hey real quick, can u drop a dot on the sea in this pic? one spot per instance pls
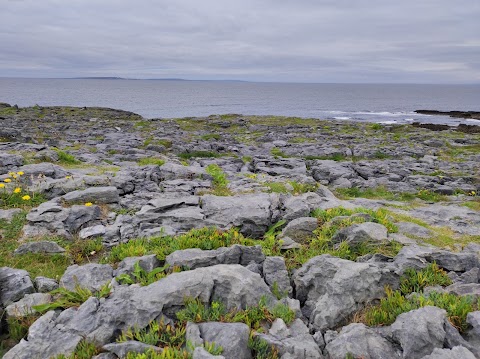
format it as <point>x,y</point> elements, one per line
<point>382,103</point>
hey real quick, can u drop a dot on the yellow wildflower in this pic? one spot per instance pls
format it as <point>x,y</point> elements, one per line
<point>17,190</point>
<point>88,204</point>
<point>11,173</point>
<point>68,177</point>
<point>7,180</point>
<point>26,197</point>
<point>20,173</point>
<point>2,185</point>
<point>14,176</point>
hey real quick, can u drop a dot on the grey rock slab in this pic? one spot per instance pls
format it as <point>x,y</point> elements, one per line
<point>275,274</point>
<point>420,331</point>
<point>300,229</point>
<point>41,170</point>
<point>232,337</point>
<point>331,289</point>
<point>80,217</point>
<point>131,346</point>
<point>91,276</point>
<point>359,233</point>
<point>454,353</point>
<point>14,284</point>
<point>361,342</point>
<point>45,285</point>
<point>414,229</point>
<point>461,289</point>
<point>147,263</point>
<point>451,261</point>
<point>250,213</point>
<point>295,341</point>
<point>25,305</point>
<point>46,247</point>
<point>8,214</point>
<point>195,258</point>
<point>92,232</point>
<point>97,195</point>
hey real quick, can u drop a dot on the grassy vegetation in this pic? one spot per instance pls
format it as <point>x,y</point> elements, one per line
<point>66,158</point>
<point>296,187</point>
<point>65,298</point>
<point>398,302</point>
<point>197,312</point>
<point>198,154</point>
<point>220,182</point>
<point>84,350</point>
<point>277,152</point>
<point>211,136</point>
<point>205,238</point>
<point>383,193</point>
<point>140,276</point>
<point>151,161</point>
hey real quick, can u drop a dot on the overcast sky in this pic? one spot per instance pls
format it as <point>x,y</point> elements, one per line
<point>413,41</point>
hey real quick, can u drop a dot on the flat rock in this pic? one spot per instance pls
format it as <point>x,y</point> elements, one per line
<point>95,195</point>
<point>46,247</point>
<point>91,276</point>
<point>25,305</point>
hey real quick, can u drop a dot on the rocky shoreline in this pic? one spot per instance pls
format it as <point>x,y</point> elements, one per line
<point>236,236</point>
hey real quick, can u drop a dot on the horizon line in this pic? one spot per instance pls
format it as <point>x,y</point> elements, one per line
<point>234,80</point>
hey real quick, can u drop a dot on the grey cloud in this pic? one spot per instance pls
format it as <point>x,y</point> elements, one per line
<point>269,40</point>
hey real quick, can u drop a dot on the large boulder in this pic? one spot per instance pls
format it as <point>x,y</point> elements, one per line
<point>361,342</point>
<point>91,276</point>
<point>232,337</point>
<point>196,258</point>
<point>294,341</point>
<point>300,229</point>
<point>250,213</point>
<point>420,331</point>
<point>14,284</point>
<point>24,306</point>
<point>278,166</point>
<point>331,289</point>
<point>276,275</point>
<point>358,233</point>
<point>454,353</point>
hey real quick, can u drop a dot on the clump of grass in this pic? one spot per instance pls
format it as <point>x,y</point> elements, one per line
<point>195,311</point>
<point>400,301</point>
<point>416,281</point>
<point>382,192</point>
<point>142,277</point>
<point>65,298</point>
<point>36,264</point>
<point>84,350</point>
<point>66,158</point>
<point>211,136</point>
<point>205,238</point>
<point>262,349</point>
<point>395,304</point>
<point>198,154</point>
<point>18,326</point>
<point>220,182</point>
<point>277,152</point>
<point>375,126</point>
<point>297,187</point>
<point>15,194</point>
<point>151,161</point>
<point>81,249</point>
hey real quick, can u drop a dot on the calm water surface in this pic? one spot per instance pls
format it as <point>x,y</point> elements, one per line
<point>172,98</point>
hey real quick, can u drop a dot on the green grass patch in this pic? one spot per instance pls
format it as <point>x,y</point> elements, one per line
<point>383,193</point>
<point>198,154</point>
<point>84,350</point>
<point>296,187</point>
<point>151,161</point>
<point>211,136</point>
<point>219,182</point>
<point>474,204</point>
<point>400,301</point>
<point>195,311</point>
<point>205,238</point>
<point>142,277</point>
<point>66,158</point>
<point>277,152</point>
